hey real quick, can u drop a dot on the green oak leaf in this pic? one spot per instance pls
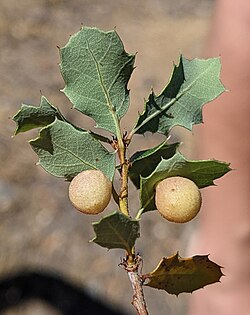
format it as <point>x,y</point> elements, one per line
<point>193,83</point>
<point>203,173</point>
<point>30,117</point>
<point>116,231</point>
<point>176,275</point>
<point>96,70</point>
<point>65,151</point>
<point>144,162</point>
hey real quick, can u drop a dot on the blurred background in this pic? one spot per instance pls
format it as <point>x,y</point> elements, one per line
<point>42,238</point>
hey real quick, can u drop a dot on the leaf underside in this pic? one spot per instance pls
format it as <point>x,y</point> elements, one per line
<point>116,231</point>
<point>176,275</point>
<point>96,70</point>
<point>65,151</point>
<point>193,83</point>
<point>30,117</point>
<point>202,173</point>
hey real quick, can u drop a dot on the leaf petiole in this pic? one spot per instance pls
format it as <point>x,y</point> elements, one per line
<point>139,213</point>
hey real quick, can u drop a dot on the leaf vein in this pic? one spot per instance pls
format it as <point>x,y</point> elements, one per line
<point>73,154</point>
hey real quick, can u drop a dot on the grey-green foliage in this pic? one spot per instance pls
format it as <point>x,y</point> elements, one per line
<point>144,162</point>
<point>65,151</point>
<point>96,70</point>
<point>116,231</point>
<point>193,83</point>
<point>30,117</point>
<point>202,173</point>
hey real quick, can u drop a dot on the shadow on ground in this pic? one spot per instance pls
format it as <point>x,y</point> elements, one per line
<point>62,295</point>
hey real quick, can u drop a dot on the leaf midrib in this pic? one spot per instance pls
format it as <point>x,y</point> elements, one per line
<point>170,103</point>
<point>119,236</point>
<point>105,91</point>
<point>73,154</point>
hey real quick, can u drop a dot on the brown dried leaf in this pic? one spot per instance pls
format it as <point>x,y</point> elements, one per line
<point>176,274</point>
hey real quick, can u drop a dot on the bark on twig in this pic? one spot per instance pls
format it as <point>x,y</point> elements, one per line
<point>136,280</point>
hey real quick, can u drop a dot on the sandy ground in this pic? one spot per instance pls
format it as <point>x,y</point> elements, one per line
<point>39,229</point>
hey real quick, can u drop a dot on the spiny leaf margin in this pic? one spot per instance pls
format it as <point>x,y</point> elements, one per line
<point>193,84</point>
<point>143,163</point>
<point>176,275</point>
<point>30,117</point>
<point>96,70</point>
<point>65,151</point>
<point>116,231</point>
<point>201,172</point>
